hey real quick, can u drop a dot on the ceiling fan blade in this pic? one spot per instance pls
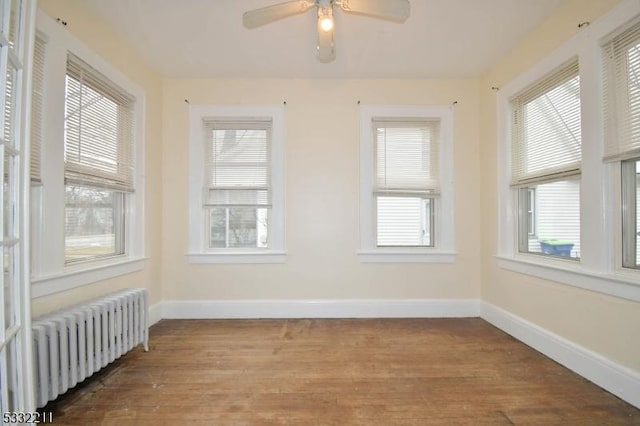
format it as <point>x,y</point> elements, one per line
<point>391,10</point>
<point>265,15</point>
<point>326,48</point>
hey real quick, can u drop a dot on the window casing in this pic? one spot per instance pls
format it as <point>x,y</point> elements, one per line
<point>236,206</point>
<point>546,156</point>
<point>406,190</point>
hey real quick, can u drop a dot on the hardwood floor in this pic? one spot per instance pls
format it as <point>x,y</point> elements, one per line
<point>337,372</point>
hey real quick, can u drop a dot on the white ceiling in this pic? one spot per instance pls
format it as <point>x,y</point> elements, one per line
<point>205,38</point>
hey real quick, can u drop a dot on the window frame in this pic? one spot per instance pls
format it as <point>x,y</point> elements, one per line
<point>531,211</point>
<point>599,268</point>
<point>442,224</point>
<point>49,272</point>
<point>198,250</point>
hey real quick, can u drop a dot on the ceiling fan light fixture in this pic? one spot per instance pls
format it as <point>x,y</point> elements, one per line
<point>326,24</point>
<point>325,18</point>
<point>391,10</point>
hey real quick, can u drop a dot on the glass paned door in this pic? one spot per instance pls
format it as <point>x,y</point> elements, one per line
<point>16,384</point>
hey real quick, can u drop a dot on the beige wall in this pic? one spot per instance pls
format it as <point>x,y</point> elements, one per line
<point>604,324</point>
<point>321,191</point>
<point>103,41</point>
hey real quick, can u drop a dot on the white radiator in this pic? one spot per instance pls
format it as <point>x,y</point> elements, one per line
<point>72,344</point>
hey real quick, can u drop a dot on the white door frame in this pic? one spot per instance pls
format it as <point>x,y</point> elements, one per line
<point>17,20</point>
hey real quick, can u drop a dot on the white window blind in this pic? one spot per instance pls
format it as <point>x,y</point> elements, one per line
<point>406,156</point>
<point>99,127</point>
<point>622,95</point>
<point>237,163</point>
<point>406,178</point>
<point>37,95</point>
<point>546,128</point>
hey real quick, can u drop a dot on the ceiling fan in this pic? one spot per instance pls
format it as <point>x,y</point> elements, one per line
<point>390,10</point>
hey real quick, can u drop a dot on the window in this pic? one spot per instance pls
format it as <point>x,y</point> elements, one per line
<point>89,181</point>
<point>237,201</point>
<point>236,191</point>
<point>621,56</point>
<point>406,181</point>
<point>98,140</point>
<point>406,211</point>
<point>546,136</point>
<point>582,205</point>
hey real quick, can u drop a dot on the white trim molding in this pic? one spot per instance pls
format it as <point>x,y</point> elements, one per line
<point>431,256</point>
<point>617,379</point>
<point>155,313</point>
<point>613,284</point>
<point>268,256</point>
<point>56,283</point>
<point>343,308</point>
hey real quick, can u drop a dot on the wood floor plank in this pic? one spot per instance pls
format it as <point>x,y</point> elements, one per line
<point>337,372</point>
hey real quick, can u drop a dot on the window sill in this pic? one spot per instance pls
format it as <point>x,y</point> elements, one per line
<point>619,284</point>
<point>80,275</point>
<point>270,256</point>
<point>405,256</point>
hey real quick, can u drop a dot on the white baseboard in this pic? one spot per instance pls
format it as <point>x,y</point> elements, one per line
<point>617,379</point>
<point>358,308</point>
<point>155,313</point>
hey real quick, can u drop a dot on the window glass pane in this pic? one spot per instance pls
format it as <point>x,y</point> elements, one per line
<point>238,227</point>
<point>404,221</point>
<point>552,210</point>
<point>94,223</point>
<point>630,213</point>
